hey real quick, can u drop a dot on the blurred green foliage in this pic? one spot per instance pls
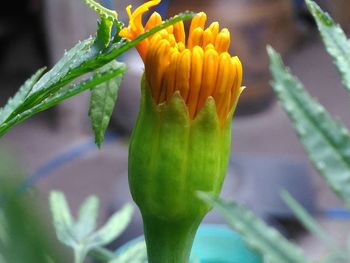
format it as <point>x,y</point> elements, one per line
<point>23,235</point>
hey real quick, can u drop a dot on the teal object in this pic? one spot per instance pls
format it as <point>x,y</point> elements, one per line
<point>216,244</point>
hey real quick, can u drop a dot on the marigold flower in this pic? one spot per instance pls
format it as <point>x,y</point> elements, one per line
<point>181,141</point>
<point>198,67</point>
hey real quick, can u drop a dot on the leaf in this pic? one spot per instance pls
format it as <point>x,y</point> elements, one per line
<point>273,247</point>
<point>22,93</point>
<point>71,59</point>
<point>102,102</point>
<point>60,96</point>
<point>326,140</point>
<point>23,237</point>
<point>306,219</point>
<point>62,219</point>
<point>113,228</point>
<point>83,58</point>
<point>67,69</point>
<point>101,10</point>
<point>81,234</point>
<point>335,40</point>
<point>136,253</point>
<point>100,254</point>
<point>88,213</point>
<point>103,35</point>
<point>3,230</point>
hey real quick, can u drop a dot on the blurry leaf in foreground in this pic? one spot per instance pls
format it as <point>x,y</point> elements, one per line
<point>81,234</point>
<point>23,237</point>
<point>326,140</point>
<point>136,253</point>
<point>272,246</point>
<point>307,220</point>
<point>335,40</point>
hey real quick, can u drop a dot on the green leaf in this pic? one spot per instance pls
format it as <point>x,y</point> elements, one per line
<point>113,228</point>
<point>103,35</point>
<point>136,253</point>
<point>306,219</point>
<point>60,96</point>
<point>335,40</point>
<point>326,140</point>
<point>337,257</point>
<point>88,213</point>
<point>3,230</point>
<point>100,254</point>
<point>102,102</point>
<point>67,69</point>
<point>20,96</point>
<point>81,234</point>
<point>62,219</point>
<point>23,235</point>
<point>273,247</point>
<point>101,10</point>
<point>83,58</point>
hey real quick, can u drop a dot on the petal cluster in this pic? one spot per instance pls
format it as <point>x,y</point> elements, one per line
<point>198,66</point>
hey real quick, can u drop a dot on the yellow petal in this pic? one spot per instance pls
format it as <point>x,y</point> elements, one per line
<point>196,79</point>
<point>153,21</point>
<point>222,41</point>
<point>183,74</point>
<point>179,32</point>
<point>196,38</point>
<point>210,71</point>
<point>170,75</point>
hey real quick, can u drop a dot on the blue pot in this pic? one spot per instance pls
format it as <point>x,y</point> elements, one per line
<point>216,244</point>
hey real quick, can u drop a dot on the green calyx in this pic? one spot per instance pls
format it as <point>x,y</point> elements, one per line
<point>171,158</point>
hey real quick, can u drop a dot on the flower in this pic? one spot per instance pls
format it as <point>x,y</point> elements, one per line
<point>198,67</point>
<point>182,137</point>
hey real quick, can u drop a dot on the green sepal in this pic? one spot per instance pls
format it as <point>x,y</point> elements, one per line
<point>171,158</point>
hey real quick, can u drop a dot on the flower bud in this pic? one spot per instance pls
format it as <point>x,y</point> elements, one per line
<point>181,141</point>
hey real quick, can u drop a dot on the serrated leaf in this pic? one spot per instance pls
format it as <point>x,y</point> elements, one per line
<point>136,253</point>
<point>62,218</point>
<point>307,220</point>
<point>71,59</point>
<point>101,10</point>
<point>60,96</point>
<point>81,59</point>
<point>326,140</point>
<point>103,35</point>
<point>102,102</point>
<point>273,247</point>
<point>335,40</point>
<point>113,228</point>
<point>87,217</point>
<point>20,96</point>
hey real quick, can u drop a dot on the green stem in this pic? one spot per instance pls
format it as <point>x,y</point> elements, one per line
<point>101,254</point>
<point>169,242</point>
<point>79,256</point>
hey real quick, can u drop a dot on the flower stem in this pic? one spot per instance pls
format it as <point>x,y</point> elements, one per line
<point>169,242</point>
<point>101,254</point>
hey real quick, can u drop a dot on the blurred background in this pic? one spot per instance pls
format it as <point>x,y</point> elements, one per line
<point>56,150</point>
